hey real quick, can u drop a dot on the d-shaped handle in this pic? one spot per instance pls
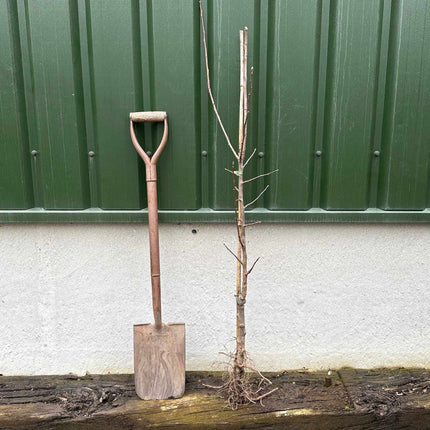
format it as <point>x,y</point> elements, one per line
<point>150,162</point>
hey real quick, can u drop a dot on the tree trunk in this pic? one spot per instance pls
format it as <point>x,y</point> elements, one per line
<point>242,274</point>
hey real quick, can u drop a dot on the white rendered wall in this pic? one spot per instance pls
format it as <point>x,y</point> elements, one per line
<point>322,295</point>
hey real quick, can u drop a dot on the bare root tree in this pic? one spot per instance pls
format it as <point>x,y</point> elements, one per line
<point>238,385</point>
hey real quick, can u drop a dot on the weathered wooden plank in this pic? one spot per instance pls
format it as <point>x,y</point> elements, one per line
<point>384,391</point>
<point>355,399</point>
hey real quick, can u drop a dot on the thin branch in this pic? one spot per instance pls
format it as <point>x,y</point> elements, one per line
<point>241,98</point>
<point>209,83</point>
<point>260,176</point>
<point>236,218</point>
<point>233,172</point>
<point>227,354</point>
<point>248,104</point>
<point>232,253</point>
<point>234,187</point>
<point>238,225</point>
<point>216,387</point>
<point>243,106</point>
<point>250,203</point>
<point>251,77</point>
<point>255,262</point>
<point>264,395</point>
<point>253,369</point>
<point>247,161</point>
<point>252,223</point>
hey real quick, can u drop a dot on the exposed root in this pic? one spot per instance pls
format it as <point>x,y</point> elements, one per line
<point>243,385</point>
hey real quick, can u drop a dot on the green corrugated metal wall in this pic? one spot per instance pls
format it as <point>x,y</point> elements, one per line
<point>343,77</point>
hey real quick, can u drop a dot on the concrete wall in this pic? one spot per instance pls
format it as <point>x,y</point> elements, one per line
<point>323,295</point>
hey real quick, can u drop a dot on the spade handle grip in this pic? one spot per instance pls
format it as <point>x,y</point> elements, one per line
<point>151,116</point>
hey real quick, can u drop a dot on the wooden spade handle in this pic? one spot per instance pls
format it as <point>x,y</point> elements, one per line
<point>151,187</point>
<point>154,250</point>
<point>152,116</point>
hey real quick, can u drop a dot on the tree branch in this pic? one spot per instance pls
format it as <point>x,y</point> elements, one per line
<point>234,186</point>
<point>209,83</point>
<point>234,172</point>
<point>232,253</point>
<point>252,223</point>
<point>246,162</point>
<point>264,395</point>
<point>260,176</point>
<point>250,203</point>
<point>248,104</point>
<point>255,262</point>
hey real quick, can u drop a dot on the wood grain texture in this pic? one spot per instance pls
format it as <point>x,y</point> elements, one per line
<point>159,361</point>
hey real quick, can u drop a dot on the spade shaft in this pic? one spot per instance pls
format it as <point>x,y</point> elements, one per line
<point>154,248</point>
<point>151,187</point>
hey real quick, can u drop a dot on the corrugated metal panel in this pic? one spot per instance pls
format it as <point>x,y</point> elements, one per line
<point>15,185</point>
<point>291,101</point>
<point>343,77</point>
<point>354,40</point>
<point>406,133</point>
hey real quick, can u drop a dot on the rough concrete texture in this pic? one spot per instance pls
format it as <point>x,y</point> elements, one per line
<point>322,295</point>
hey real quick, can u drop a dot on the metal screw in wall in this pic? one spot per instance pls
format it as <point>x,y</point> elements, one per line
<point>34,153</point>
<point>261,154</point>
<point>91,154</point>
<point>318,153</point>
<point>204,153</point>
<point>377,154</point>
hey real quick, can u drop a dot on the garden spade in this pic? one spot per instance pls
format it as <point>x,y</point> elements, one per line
<point>159,349</point>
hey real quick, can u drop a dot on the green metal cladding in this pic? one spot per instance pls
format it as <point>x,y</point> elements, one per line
<point>340,105</point>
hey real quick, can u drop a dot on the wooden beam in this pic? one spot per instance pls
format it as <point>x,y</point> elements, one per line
<point>349,398</point>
